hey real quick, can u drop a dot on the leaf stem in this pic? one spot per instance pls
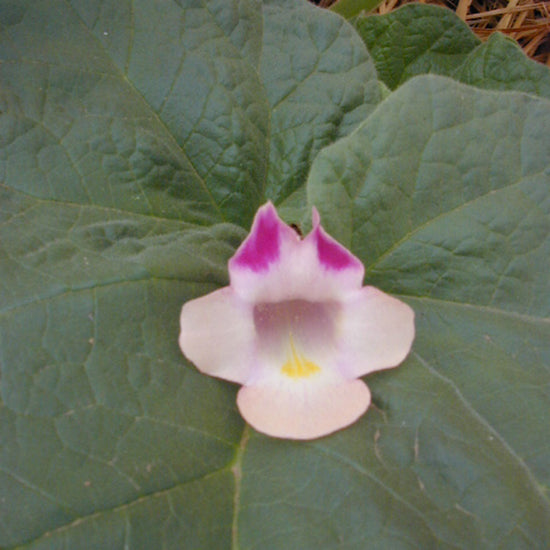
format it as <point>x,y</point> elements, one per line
<point>236,468</point>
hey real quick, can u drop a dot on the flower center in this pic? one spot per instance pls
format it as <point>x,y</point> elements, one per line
<point>298,366</point>
<point>296,337</point>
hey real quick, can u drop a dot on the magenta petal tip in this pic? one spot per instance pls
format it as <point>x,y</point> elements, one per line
<point>261,247</point>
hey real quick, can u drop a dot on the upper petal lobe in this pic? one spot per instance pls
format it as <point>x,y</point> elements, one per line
<point>274,263</point>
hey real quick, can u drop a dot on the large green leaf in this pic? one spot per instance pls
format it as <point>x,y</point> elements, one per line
<point>136,141</point>
<point>415,39</point>
<point>449,207</point>
<point>418,39</point>
<point>499,64</point>
<point>130,133</point>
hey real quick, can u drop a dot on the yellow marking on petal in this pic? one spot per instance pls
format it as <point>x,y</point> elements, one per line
<point>298,366</point>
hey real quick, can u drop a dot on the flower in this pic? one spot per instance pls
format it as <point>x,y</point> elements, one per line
<point>296,328</point>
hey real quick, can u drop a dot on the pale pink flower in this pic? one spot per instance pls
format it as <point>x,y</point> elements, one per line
<point>297,329</point>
